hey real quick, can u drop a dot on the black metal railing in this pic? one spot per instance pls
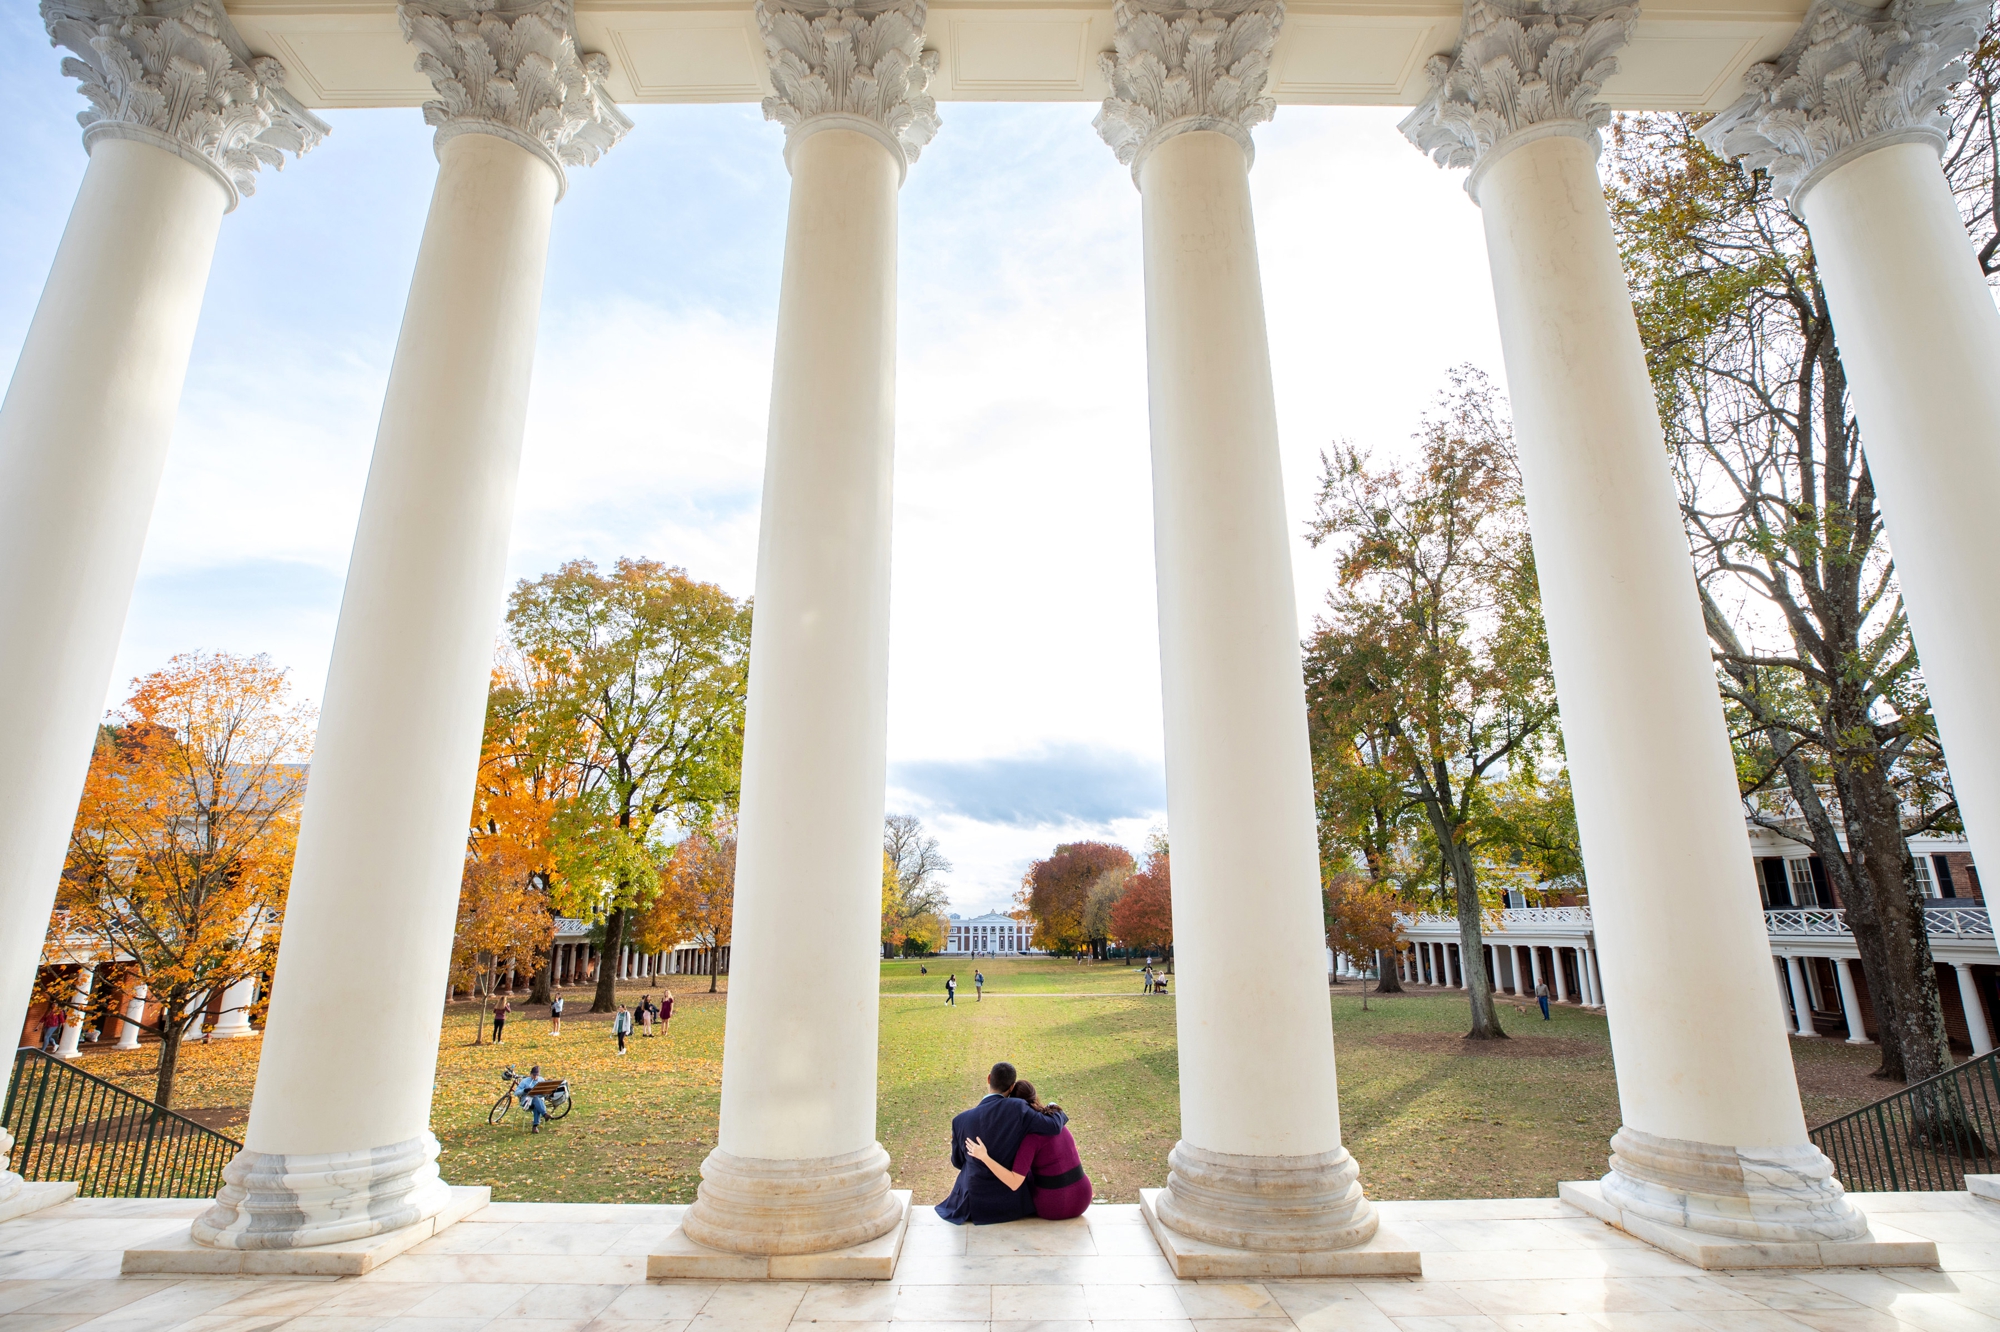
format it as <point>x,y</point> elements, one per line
<point>74,1126</point>
<point>1930,1135</point>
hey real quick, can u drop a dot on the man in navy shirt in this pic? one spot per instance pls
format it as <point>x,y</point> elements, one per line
<point>1000,1121</point>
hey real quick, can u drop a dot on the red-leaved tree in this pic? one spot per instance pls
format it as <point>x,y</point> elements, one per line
<point>1059,892</point>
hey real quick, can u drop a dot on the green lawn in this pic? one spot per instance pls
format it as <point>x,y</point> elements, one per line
<point>1427,1114</point>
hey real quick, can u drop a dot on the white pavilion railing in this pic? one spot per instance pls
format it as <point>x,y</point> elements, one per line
<point>1493,922</point>
<point>1941,922</point>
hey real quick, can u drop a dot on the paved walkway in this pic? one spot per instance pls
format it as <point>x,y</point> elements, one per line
<point>1511,1265</point>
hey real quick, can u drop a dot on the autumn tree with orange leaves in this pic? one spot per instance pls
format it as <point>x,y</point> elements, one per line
<point>640,675</point>
<point>1361,926</point>
<point>182,849</point>
<point>1143,918</point>
<point>697,898</point>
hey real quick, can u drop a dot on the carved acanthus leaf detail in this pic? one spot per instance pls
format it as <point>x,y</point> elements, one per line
<point>867,61</point>
<point>1518,66</point>
<point>174,72</point>
<point>1178,68</point>
<point>1850,75</point>
<point>514,70</point>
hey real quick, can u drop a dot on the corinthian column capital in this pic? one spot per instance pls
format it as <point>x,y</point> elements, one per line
<point>1524,69</point>
<point>1178,68</point>
<point>512,69</point>
<point>1852,79</point>
<point>174,73</point>
<point>860,67</point>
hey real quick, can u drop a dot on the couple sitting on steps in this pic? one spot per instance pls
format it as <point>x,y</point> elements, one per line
<point>1015,1158</point>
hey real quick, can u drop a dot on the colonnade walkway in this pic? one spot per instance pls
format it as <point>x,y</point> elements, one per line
<point>1521,1264</point>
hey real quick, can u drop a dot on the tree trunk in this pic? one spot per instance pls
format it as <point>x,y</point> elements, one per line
<point>714,968</point>
<point>1471,945</point>
<point>1386,979</point>
<point>173,1025</point>
<point>1887,905</point>
<point>606,998</point>
<point>538,988</point>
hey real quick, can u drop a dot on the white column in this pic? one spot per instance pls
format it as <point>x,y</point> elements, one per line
<point>234,1021</point>
<point>1976,1024</point>
<point>1795,981</point>
<point>1596,976</point>
<point>87,417</point>
<point>1673,898</point>
<point>1919,334</point>
<point>135,1011</point>
<point>1259,1164</point>
<point>80,998</point>
<point>1560,974</point>
<point>797,1168</point>
<point>330,1155</point>
<point>1535,963</point>
<point>1850,1003</point>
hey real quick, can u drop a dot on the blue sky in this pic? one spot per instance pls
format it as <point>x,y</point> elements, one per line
<point>1024,683</point>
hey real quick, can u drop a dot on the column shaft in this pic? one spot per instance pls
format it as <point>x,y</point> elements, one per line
<point>1850,1003</point>
<point>1259,1100</point>
<point>1920,340</point>
<point>83,439</point>
<point>66,1048</point>
<point>135,1012</point>
<point>1671,892</point>
<point>1976,1025</point>
<point>378,865</point>
<point>797,1168</point>
<point>1802,1023</point>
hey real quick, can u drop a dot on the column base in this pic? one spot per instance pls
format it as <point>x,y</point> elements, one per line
<point>1265,1204</point>
<point>270,1200</point>
<point>25,1197</point>
<point>767,1208</point>
<point>681,1258</point>
<point>1879,1246</point>
<point>1383,1253</point>
<point>186,1256</point>
<point>1776,1195</point>
<point>1983,1186</point>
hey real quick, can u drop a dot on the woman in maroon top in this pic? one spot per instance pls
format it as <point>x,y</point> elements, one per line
<point>1050,1166</point>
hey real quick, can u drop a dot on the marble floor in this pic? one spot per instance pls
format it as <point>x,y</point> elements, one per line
<point>1518,1264</point>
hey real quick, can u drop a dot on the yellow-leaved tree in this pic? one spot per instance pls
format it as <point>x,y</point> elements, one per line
<point>182,849</point>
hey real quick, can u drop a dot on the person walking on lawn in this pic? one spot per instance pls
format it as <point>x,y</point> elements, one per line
<point>555,1013</point>
<point>978,986</point>
<point>951,989</point>
<point>621,1026</point>
<point>500,1020</point>
<point>1542,998</point>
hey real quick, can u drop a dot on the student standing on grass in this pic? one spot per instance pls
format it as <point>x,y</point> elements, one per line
<point>621,1026</point>
<point>1542,998</point>
<point>951,989</point>
<point>555,1013</point>
<point>666,1009</point>
<point>500,1020</point>
<point>646,1015</point>
<point>978,986</point>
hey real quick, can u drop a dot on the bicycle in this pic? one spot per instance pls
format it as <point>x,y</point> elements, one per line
<point>555,1093</point>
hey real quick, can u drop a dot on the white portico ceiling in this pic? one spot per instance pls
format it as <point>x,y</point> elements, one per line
<point>1687,55</point>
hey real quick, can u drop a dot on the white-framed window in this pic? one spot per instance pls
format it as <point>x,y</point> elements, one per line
<point>1798,873</point>
<point>1926,881</point>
